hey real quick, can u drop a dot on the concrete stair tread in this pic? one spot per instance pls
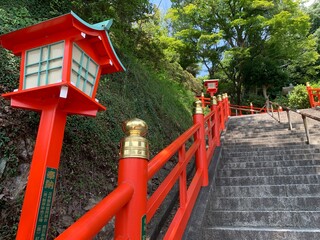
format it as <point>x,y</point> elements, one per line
<point>269,164</point>
<point>269,180</point>
<point>295,203</point>
<point>276,218</point>
<point>265,168</point>
<point>269,171</point>
<point>272,158</point>
<point>315,230</point>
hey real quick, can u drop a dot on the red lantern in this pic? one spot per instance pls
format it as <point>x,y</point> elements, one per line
<point>211,86</point>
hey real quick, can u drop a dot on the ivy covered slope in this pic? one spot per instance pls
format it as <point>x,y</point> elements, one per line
<point>154,89</point>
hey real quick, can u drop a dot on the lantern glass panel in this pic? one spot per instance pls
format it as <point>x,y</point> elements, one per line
<point>211,85</point>
<point>84,70</point>
<point>43,65</point>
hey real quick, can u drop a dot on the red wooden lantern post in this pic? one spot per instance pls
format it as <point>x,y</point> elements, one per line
<point>61,63</point>
<point>211,86</point>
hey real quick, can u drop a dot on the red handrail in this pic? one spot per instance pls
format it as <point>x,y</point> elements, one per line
<point>162,157</point>
<point>95,219</point>
<point>128,202</point>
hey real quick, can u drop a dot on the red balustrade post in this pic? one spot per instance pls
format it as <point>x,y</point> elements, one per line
<point>310,94</point>
<point>224,107</point>
<point>228,109</point>
<point>201,154</point>
<point>202,100</point>
<point>214,108</point>
<point>133,170</point>
<point>221,110</point>
<point>251,108</point>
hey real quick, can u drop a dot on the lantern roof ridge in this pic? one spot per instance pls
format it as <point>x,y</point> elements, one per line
<point>104,25</point>
<point>66,26</point>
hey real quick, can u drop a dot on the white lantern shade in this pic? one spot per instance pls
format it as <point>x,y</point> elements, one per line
<point>84,70</point>
<point>43,65</point>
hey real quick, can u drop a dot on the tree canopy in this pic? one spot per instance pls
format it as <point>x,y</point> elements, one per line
<point>255,44</point>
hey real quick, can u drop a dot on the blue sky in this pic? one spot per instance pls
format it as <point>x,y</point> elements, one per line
<point>164,5</point>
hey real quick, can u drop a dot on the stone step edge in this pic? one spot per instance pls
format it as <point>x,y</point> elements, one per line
<point>225,159</point>
<point>268,185</point>
<point>226,163</point>
<point>305,175</point>
<point>271,229</point>
<point>264,211</point>
<point>264,197</point>
<point>263,168</point>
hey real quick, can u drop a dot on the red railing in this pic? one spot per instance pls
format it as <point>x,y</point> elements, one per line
<point>314,95</point>
<point>237,110</point>
<point>204,100</point>
<point>129,202</point>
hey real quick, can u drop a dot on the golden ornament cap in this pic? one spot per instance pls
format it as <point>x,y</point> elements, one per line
<point>197,107</point>
<point>213,100</point>
<point>134,145</point>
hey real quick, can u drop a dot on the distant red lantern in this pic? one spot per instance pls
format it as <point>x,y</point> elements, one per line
<point>211,86</point>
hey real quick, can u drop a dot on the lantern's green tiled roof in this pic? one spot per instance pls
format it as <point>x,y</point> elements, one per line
<point>63,27</point>
<point>105,25</point>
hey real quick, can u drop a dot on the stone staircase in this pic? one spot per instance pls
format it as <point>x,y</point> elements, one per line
<point>267,185</point>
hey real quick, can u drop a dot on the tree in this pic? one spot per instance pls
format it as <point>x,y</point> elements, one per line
<point>244,38</point>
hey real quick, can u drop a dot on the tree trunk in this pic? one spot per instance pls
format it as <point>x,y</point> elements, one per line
<point>264,91</point>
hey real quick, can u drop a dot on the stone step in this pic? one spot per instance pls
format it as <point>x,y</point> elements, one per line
<point>301,203</point>
<point>264,144</point>
<point>270,151</point>
<point>292,190</point>
<point>279,219</point>
<point>268,164</point>
<point>255,233</point>
<point>262,158</point>
<point>258,148</point>
<point>268,180</point>
<point>273,171</point>
<point>260,141</point>
<point>272,135</point>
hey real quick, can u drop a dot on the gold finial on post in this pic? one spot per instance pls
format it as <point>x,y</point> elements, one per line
<point>197,107</point>
<point>213,100</point>
<point>134,145</point>
<point>219,98</point>
<point>307,84</point>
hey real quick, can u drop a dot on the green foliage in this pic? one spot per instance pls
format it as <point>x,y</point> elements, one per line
<point>298,98</point>
<point>256,100</point>
<point>256,43</point>
<point>282,100</point>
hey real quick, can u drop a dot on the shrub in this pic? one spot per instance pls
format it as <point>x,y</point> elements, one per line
<point>298,98</point>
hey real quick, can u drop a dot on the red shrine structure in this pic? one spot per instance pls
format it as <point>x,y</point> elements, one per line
<point>211,86</point>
